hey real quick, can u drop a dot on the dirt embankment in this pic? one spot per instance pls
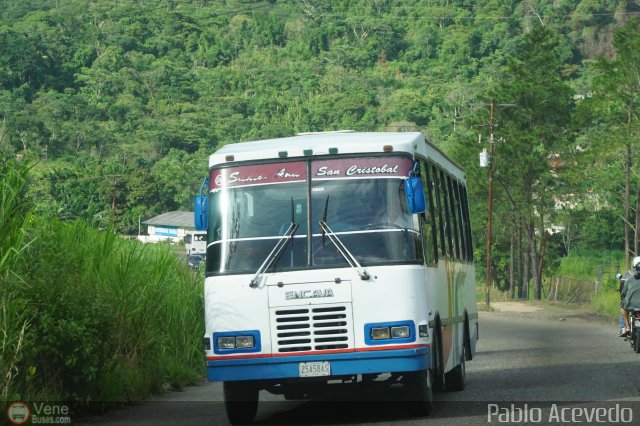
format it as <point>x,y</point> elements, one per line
<point>557,310</point>
<point>515,307</point>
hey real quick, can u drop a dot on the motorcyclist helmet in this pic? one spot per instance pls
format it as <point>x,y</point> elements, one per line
<point>636,264</point>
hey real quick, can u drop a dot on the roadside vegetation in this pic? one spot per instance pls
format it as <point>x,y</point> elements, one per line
<point>585,279</point>
<point>598,268</point>
<point>89,317</point>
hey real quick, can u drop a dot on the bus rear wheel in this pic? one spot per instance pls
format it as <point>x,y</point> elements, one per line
<point>240,402</point>
<point>418,388</point>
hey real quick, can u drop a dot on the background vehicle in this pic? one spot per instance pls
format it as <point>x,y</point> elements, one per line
<point>325,266</point>
<point>195,242</point>
<point>634,326</point>
<point>195,260</point>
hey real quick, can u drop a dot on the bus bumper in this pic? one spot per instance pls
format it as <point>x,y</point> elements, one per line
<point>341,364</point>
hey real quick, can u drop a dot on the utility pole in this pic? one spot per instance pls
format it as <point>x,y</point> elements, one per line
<point>487,289</point>
<point>489,164</point>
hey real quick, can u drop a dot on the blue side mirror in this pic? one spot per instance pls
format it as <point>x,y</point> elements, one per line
<point>416,202</point>
<point>201,207</point>
<point>201,212</point>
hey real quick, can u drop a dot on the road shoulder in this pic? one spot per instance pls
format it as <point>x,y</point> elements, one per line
<point>551,310</point>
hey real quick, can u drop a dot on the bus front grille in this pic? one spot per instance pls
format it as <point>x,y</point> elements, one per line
<point>311,328</point>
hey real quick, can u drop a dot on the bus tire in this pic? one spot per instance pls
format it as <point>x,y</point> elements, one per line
<point>467,339</point>
<point>438,367</point>
<point>455,378</point>
<point>240,402</point>
<point>418,388</point>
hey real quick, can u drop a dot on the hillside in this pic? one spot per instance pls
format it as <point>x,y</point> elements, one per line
<point>120,102</point>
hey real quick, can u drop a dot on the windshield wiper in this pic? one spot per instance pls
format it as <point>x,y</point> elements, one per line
<point>342,249</point>
<point>277,249</point>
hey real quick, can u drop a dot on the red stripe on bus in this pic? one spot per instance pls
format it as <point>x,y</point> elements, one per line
<point>335,351</point>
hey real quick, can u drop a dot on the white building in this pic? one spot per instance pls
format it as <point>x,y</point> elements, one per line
<point>171,226</point>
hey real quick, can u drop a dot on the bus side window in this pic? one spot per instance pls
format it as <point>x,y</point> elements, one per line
<point>446,213</point>
<point>429,227</point>
<point>438,213</point>
<point>455,216</point>
<point>465,218</point>
<point>462,226</point>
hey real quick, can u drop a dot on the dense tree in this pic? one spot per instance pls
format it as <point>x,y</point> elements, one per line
<point>528,132</point>
<point>121,102</point>
<point>609,114</point>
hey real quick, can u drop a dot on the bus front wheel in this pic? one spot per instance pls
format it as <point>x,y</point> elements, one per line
<point>418,388</point>
<point>455,378</point>
<point>240,402</point>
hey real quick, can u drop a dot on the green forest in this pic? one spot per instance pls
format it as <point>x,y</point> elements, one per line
<point>118,103</point>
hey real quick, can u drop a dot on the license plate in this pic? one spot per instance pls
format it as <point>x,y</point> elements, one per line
<point>314,369</point>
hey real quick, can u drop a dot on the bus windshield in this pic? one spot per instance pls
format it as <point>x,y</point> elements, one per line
<point>367,212</point>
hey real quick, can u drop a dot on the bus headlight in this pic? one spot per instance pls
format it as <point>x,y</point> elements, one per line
<point>390,333</point>
<point>244,342</point>
<point>401,332</point>
<point>228,342</point>
<point>380,333</point>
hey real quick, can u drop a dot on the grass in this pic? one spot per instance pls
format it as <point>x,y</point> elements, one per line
<point>607,303</point>
<point>112,309</point>
<point>583,265</point>
<point>88,317</point>
<point>14,320</point>
<point>495,295</point>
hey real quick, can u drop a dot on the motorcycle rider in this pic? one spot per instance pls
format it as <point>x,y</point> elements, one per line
<point>622,278</point>
<point>630,294</point>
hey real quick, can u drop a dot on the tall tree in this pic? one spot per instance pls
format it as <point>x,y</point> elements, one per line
<point>533,132</point>
<point>609,123</point>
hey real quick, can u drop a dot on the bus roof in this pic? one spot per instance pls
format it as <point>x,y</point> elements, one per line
<point>346,142</point>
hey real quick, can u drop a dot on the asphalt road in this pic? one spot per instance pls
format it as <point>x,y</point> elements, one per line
<point>545,367</point>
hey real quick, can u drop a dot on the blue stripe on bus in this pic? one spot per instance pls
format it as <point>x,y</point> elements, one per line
<point>341,364</point>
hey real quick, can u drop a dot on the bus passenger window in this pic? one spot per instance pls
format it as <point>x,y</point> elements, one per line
<point>438,211</point>
<point>446,212</point>
<point>455,216</point>
<point>429,226</point>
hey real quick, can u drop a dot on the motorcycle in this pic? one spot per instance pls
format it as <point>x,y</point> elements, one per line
<point>634,332</point>
<point>633,336</point>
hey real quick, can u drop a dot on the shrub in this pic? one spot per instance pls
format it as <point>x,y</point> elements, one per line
<point>88,317</point>
<point>14,212</point>
<point>113,319</point>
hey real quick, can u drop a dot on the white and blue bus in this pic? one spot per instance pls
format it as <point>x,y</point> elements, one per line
<point>336,257</point>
